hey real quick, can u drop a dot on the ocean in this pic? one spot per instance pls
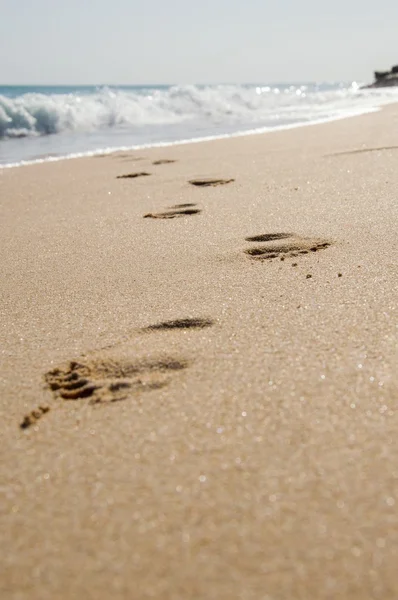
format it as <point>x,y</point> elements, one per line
<point>50,123</point>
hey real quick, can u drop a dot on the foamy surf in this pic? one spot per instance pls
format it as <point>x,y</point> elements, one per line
<point>47,124</point>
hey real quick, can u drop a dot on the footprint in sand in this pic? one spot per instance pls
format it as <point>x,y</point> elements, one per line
<point>172,214</point>
<point>187,205</point>
<point>164,161</point>
<point>269,237</point>
<point>209,182</point>
<point>105,380</point>
<point>188,323</point>
<point>133,175</point>
<point>109,380</point>
<point>291,246</point>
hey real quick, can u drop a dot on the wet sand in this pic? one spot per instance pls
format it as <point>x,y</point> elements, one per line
<point>201,403</point>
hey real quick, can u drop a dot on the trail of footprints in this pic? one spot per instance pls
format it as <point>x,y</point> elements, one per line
<point>178,210</point>
<point>99,380</point>
<point>102,380</point>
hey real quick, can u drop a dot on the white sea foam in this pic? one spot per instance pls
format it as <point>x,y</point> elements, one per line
<point>38,114</point>
<point>148,116</point>
<point>196,140</point>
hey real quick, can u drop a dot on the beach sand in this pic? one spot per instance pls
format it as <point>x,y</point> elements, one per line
<point>204,416</point>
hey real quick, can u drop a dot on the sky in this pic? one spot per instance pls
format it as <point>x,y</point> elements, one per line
<point>206,41</point>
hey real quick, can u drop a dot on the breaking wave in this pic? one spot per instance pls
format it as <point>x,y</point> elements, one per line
<point>40,114</point>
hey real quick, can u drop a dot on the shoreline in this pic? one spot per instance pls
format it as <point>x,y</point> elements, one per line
<point>237,134</point>
<point>198,380</point>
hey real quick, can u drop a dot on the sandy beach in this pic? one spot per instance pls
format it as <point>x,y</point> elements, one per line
<point>201,404</point>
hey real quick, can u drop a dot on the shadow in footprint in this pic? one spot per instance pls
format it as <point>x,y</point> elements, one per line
<point>209,182</point>
<point>268,237</point>
<point>133,175</point>
<point>188,205</point>
<point>105,381</point>
<point>180,324</point>
<point>163,161</point>
<point>173,214</point>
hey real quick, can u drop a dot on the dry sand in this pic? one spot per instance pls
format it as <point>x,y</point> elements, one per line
<point>246,450</point>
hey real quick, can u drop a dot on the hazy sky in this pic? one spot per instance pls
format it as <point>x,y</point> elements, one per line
<point>186,41</point>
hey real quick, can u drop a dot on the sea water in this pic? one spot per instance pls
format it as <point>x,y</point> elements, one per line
<point>48,123</point>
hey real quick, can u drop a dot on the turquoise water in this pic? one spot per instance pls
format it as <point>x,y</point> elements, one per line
<point>48,122</point>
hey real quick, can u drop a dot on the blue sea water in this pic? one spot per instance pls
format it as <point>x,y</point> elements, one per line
<point>51,122</point>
